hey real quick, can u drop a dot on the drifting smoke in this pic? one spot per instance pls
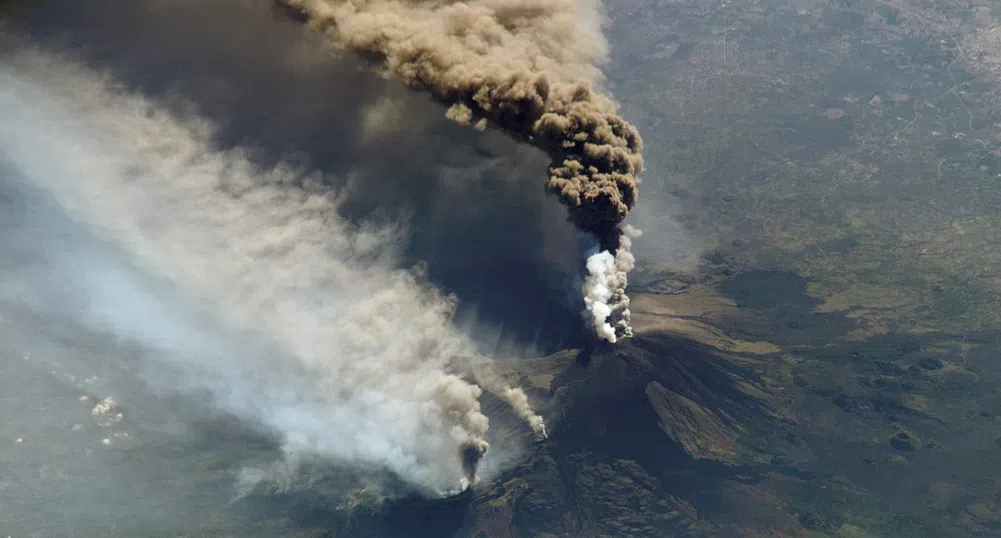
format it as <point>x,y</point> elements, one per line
<point>487,378</point>
<point>343,355</point>
<point>528,68</point>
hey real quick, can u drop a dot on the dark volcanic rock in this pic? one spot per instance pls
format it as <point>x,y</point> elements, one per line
<point>624,500</point>
<point>627,422</point>
<point>701,432</point>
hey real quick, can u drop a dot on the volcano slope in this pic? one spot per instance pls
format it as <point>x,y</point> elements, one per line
<point>660,435</point>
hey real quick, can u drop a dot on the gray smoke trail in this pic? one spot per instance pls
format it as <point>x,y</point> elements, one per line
<point>486,376</point>
<point>347,357</point>
<point>528,68</point>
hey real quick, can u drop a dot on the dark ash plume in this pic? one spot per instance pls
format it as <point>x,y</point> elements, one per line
<point>526,67</point>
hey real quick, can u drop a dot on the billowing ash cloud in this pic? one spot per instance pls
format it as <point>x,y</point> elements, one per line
<point>528,68</point>
<point>324,340</point>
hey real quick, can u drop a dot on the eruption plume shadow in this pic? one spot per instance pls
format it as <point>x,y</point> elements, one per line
<point>366,146</point>
<point>475,208</point>
<point>262,245</point>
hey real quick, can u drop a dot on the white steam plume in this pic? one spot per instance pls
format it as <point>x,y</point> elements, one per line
<point>605,296</point>
<point>347,357</point>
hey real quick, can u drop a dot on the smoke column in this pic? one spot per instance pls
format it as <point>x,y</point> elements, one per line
<point>526,67</point>
<point>330,345</point>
